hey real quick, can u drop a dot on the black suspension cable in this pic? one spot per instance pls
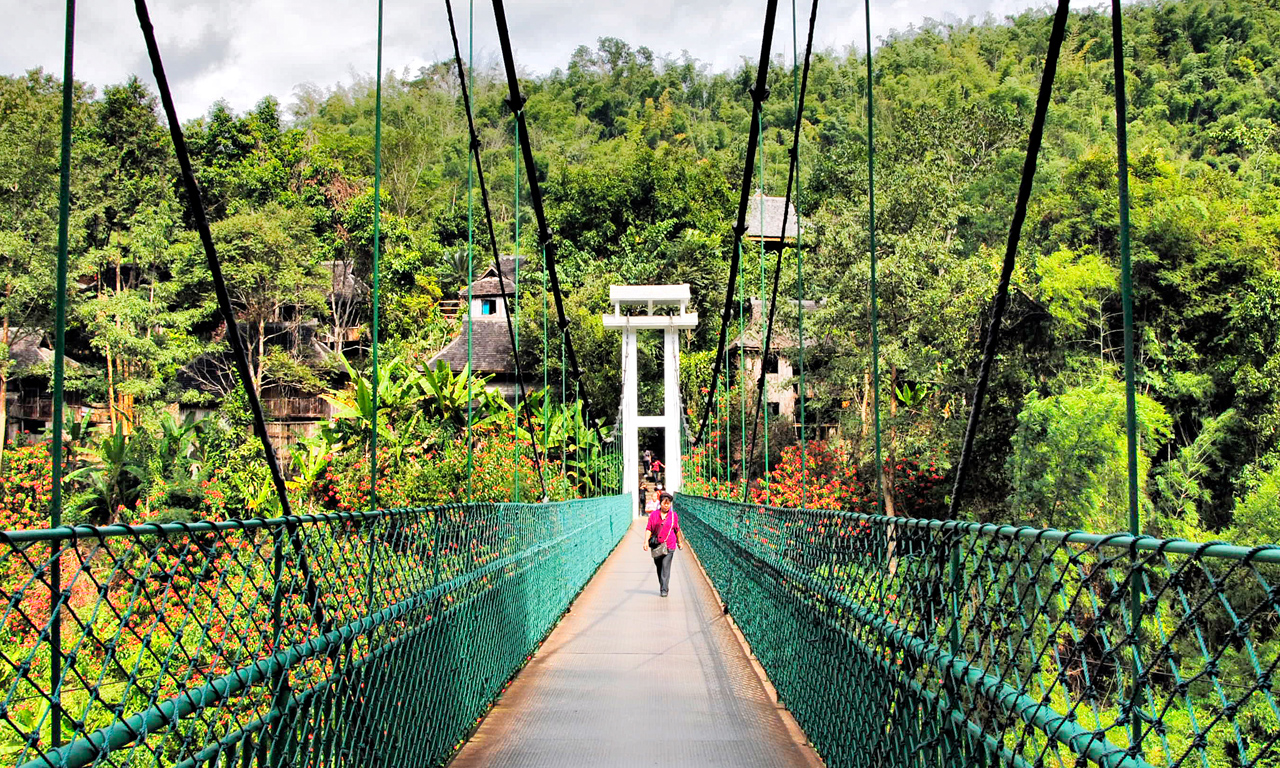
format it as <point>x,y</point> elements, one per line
<point>493,242</point>
<point>195,203</point>
<point>759,92</point>
<point>777,268</point>
<point>196,206</point>
<point>1011,248</point>
<point>516,102</point>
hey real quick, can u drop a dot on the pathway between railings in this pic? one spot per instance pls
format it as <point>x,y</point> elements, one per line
<point>632,679</point>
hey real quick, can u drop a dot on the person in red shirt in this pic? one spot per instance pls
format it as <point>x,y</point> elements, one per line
<point>657,468</point>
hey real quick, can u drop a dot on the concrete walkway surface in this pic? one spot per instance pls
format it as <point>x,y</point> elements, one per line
<point>631,679</point>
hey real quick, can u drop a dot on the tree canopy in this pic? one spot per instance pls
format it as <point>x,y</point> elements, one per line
<point>640,158</point>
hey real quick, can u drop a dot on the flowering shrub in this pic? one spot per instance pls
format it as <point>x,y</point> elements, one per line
<point>704,475</point>
<point>423,474</point>
<point>824,482</point>
<point>828,480</point>
<point>918,484</point>
<point>214,504</point>
<point>345,484</point>
<point>26,486</point>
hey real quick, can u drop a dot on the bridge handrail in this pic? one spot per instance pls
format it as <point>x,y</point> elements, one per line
<point>975,641</point>
<point>966,672</point>
<point>1263,553</point>
<point>234,653</point>
<point>76,532</point>
<point>82,751</point>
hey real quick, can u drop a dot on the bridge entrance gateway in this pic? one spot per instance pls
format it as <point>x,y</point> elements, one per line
<point>656,301</point>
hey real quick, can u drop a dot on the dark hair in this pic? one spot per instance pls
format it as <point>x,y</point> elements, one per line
<point>665,495</point>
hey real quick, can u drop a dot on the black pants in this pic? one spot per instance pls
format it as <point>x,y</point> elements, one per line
<point>663,566</point>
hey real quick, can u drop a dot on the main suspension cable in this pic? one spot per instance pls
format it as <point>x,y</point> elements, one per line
<point>792,182</point>
<point>516,102</point>
<point>493,241</point>
<point>195,203</point>
<point>1011,247</point>
<point>759,92</point>
<point>196,207</point>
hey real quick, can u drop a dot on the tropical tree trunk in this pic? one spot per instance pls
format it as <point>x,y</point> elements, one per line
<point>4,384</point>
<point>262,348</point>
<point>891,449</point>
<point>111,390</point>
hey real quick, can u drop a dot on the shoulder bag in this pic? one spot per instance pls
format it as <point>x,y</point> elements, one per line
<point>657,548</point>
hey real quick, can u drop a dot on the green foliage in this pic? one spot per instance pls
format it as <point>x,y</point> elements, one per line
<point>1069,465</point>
<point>410,403</point>
<point>1072,285</point>
<point>453,398</point>
<point>639,157</point>
<point>1257,515</point>
<point>112,481</point>
<point>30,110</point>
<point>1181,494</point>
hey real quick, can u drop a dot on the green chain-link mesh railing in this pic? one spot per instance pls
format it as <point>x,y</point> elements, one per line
<point>346,639</point>
<point>926,643</point>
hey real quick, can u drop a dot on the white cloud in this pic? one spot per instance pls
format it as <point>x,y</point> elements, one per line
<point>242,50</point>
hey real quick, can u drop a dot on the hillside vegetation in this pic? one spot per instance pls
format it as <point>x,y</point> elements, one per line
<point>640,159</point>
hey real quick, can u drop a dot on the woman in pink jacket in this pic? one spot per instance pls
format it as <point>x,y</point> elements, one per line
<point>662,539</point>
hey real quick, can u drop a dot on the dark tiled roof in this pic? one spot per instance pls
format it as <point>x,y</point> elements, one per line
<point>27,348</point>
<point>487,284</point>
<point>30,348</point>
<point>772,218</point>
<point>757,310</point>
<point>490,349</point>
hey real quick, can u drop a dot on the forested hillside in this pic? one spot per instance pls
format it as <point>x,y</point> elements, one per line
<point>640,159</point>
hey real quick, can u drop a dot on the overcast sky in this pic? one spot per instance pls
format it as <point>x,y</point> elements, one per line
<point>242,50</point>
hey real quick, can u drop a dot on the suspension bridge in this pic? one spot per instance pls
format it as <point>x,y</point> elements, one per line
<point>531,634</point>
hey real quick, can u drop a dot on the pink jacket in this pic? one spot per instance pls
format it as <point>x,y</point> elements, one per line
<point>666,531</point>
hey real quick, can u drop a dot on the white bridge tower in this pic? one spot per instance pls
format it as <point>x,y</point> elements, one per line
<point>672,303</point>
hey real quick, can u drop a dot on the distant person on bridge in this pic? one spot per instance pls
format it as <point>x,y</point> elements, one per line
<point>657,468</point>
<point>662,539</point>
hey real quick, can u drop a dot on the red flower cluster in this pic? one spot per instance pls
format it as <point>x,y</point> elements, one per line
<point>26,486</point>
<point>822,478</point>
<point>816,479</point>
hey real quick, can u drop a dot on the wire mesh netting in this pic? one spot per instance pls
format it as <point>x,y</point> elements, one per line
<point>347,639</point>
<point>926,643</point>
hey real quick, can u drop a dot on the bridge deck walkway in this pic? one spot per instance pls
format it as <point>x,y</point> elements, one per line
<point>630,679</point>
